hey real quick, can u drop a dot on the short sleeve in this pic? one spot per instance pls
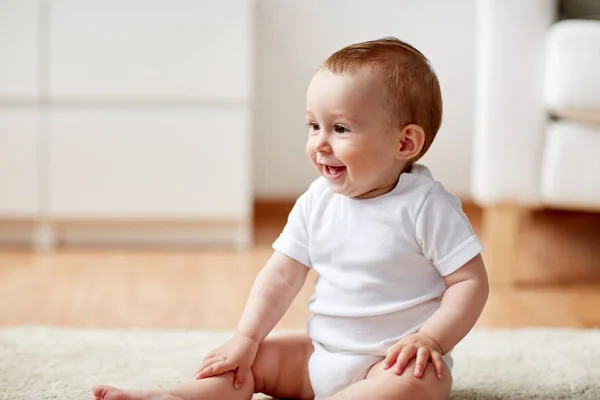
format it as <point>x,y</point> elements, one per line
<point>444,232</point>
<point>293,240</point>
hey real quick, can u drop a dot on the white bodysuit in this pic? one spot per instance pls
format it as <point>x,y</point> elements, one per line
<point>380,265</point>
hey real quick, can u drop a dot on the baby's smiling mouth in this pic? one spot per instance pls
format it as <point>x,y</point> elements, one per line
<point>333,171</point>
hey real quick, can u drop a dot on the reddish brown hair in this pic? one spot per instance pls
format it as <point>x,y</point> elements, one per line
<point>408,76</point>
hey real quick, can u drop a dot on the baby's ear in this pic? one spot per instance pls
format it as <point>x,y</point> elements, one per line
<point>412,139</point>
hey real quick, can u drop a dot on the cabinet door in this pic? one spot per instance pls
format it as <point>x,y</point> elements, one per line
<point>18,163</point>
<point>149,164</point>
<point>148,50</point>
<point>19,49</point>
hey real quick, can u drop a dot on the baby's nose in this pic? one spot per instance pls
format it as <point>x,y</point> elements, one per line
<point>321,144</point>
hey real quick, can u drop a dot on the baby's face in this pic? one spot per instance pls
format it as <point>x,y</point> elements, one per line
<point>351,142</point>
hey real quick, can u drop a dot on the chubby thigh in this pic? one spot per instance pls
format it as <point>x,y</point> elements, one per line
<point>382,384</point>
<point>285,364</point>
<point>280,369</point>
<point>344,375</point>
<point>386,384</point>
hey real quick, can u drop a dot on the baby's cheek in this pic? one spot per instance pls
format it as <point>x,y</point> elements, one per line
<point>309,150</point>
<point>367,161</point>
<point>356,153</point>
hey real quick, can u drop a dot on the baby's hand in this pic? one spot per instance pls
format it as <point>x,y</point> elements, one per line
<point>417,345</point>
<point>237,354</point>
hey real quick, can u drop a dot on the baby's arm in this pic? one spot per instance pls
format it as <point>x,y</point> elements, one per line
<point>274,289</point>
<point>446,239</point>
<point>460,308</point>
<point>461,305</point>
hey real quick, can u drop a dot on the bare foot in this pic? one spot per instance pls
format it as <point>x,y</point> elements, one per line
<point>104,392</point>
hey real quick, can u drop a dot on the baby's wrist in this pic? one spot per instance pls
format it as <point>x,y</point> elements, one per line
<point>248,337</point>
<point>434,340</point>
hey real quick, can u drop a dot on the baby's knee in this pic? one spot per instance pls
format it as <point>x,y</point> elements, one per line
<point>409,389</point>
<point>414,388</point>
<point>407,386</point>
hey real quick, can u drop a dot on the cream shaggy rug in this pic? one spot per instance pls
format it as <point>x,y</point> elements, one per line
<point>51,363</point>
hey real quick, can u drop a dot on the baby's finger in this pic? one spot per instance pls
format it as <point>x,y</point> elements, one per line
<point>214,369</point>
<point>204,372</point>
<point>240,377</point>
<point>209,360</point>
<point>407,353</point>
<point>210,355</point>
<point>391,356</point>
<point>422,358</point>
<point>438,363</point>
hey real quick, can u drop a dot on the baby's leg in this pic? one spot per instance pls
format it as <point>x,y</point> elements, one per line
<point>386,385</point>
<point>215,388</point>
<point>280,370</point>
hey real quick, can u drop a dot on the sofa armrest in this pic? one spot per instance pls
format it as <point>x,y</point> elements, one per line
<point>510,116</point>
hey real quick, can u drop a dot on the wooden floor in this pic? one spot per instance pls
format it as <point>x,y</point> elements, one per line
<point>558,264</point>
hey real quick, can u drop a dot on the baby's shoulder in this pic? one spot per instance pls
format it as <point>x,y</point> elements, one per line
<point>420,191</point>
<point>415,186</point>
<point>432,201</point>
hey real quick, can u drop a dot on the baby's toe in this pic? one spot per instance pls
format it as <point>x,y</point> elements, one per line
<point>104,392</point>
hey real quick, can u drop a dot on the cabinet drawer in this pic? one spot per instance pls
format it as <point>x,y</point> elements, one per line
<point>150,164</point>
<point>157,49</point>
<point>19,49</point>
<point>19,163</point>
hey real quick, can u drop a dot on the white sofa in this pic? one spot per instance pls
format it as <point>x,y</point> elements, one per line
<point>537,119</point>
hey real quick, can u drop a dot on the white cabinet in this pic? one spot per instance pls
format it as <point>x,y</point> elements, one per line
<point>134,113</point>
<point>18,163</point>
<point>150,164</point>
<point>170,50</point>
<point>19,84</point>
<point>19,33</point>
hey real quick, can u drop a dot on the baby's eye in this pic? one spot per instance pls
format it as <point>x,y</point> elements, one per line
<point>313,126</point>
<point>340,129</point>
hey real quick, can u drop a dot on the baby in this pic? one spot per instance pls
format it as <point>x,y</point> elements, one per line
<point>401,279</point>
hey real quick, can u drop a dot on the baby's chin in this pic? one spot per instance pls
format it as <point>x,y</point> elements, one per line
<point>347,187</point>
<point>339,189</point>
<point>347,190</point>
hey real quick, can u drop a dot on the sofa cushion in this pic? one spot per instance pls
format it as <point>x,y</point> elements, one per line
<point>571,166</point>
<point>573,70</point>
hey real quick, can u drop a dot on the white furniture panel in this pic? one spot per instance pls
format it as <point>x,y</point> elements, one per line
<point>571,166</point>
<point>19,49</point>
<point>572,70</point>
<point>510,117</point>
<point>150,163</point>
<point>18,163</point>
<point>151,49</point>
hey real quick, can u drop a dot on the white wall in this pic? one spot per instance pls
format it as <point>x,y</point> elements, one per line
<point>294,37</point>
